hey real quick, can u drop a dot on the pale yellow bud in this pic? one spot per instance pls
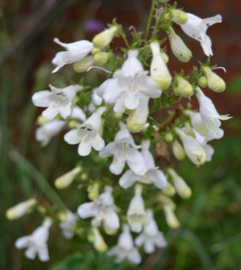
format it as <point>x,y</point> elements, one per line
<point>93,191</point>
<point>84,64</point>
<point>137,119</point>
<point>178,150</point>
<point>184,87</point>
<point>215,82</point>
<point>109,231</point>
<point>62,216</point>
<point>84,176</point>
<point>188,130</point>
<point>165,57</point>
<point>203,82</point>
<point>42,209</point>
<point>170,190</point>
<point>179,49</point>
<point>66,179</point>
<point>20,209</point>
<point>176,91</point>
<point>41,120</point>
<point>104,38</point>
<point>168,137</point>
<point>96,50</point>
<point>73,124</point>
<point>118,115</point>
<point>99,243</point>
<point>179,16</point>
<point>102,57</point>
<point>167,17</point>
<point>167,202</point>
<point>171,218</point>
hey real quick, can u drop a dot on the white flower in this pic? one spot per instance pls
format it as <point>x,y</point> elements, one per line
<point>68,224</point>
<point>66,179</point>
<point>102,208</point>
<point>210,117</point>
<point>57,100</point>
<point>152,174</point>
<point>182,189</point>
<point>193,150</point>
<point>136,214</point>
<point>124,150</point>
<point>151,236</point>
<point>87,135</point>
<point>36,243</point>
<point>128,85</point>
<point>74,52</point>
<point>20,209</point>
<point>196,28</point>
<point>159,71</point>
<point>99,242</point>
<point>125,248</point>
<point>95,100</point>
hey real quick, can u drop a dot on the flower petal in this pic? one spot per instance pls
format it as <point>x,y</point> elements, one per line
<point>87,210</point>
<point>128,179</point>
<point>98,143</point>
<point>72,136</point>
<point>112,220</point>
<point>84,148</point>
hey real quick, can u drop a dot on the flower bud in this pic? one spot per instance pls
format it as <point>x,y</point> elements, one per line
<point>20,209</point>
<point>73,124</point>
<point>179,49</point>
<point>96,50</point>
<point>62,216</point>
<point>66,179</point>
<point>82,65</point>
<point>99,243</point>
<point>178,150</point>
<point>93,191</point>
<point>215,82</point>
<point>170,190</point>
<point>137,119</point>
<point>183,190</point>
<point>184,87</point>
<point>108,230</point>
<point>104,38</point>
<point>159,71</point>
<point>168,137</point>
<point>203,81</point>
<point>41,120</point>
<point>188,130</point>
<point>171,218</point>
<point>102,57</point>
<point>179,16</point>
<point>176,90</point>
<point>165,57</point>
<point>118,115</point>
<point>84,176</point>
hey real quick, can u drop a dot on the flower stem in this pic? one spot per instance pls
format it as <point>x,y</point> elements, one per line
<point>149,20</point>
<point>123,35</point>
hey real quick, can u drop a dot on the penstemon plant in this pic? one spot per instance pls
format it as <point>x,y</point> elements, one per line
<point>114,121</point>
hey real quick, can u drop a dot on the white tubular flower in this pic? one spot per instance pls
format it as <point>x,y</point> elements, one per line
<point>196,28</point>
<point>152,175</point>
<point>74,52</point>
<point>104,38</point>
<point>197,122</point>
<point>193,150</point>
<point>151,236</point>
<point>102,208</point>
<point>67,179</point>
<point>68,224</point>
<point>129,85</point>
<point>170,190</point>
<point>36,243</point>
<point>20,209</point>
<point>57,100</point>
<point>136,214</point>
<point>214,82</point>
<point>159,71</point>
<point>210,117</point>
<point>124,150</point>
<point>179,49</point>
<point>82,65</point>
<point>87,135</point>
<point>99,242</point>
<point>182,189</point>
<point>169,207</point>
<point>125,248</point>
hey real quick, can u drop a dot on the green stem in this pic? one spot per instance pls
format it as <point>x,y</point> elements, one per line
<point>125,39</point>
<point>150,17</point>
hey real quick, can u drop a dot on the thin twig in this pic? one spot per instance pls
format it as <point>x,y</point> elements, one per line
<point>149,20</point>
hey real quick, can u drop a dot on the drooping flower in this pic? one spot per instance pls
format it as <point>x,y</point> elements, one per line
<point>136,214</point>
<point>74,52</point>
<point>210,117</point>
<point>36,243</point>
<point>125,248</point>
<point>182,189</point>
<point>88,134</point>
<point>102,208</point>
<point>152,174</point>
<point>151,236</point>
<point>20,209</point>
<point>196,28</point>
<point>68,224</point>
<point>124,150</point>
<point>129,85</point>
<point>193,150</point>
<point>66,179</point>
<point>58,100</point>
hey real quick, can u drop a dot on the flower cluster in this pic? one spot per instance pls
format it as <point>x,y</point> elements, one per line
<point>119,107</point>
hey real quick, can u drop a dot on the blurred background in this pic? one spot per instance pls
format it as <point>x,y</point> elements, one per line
<point>210,236</point>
